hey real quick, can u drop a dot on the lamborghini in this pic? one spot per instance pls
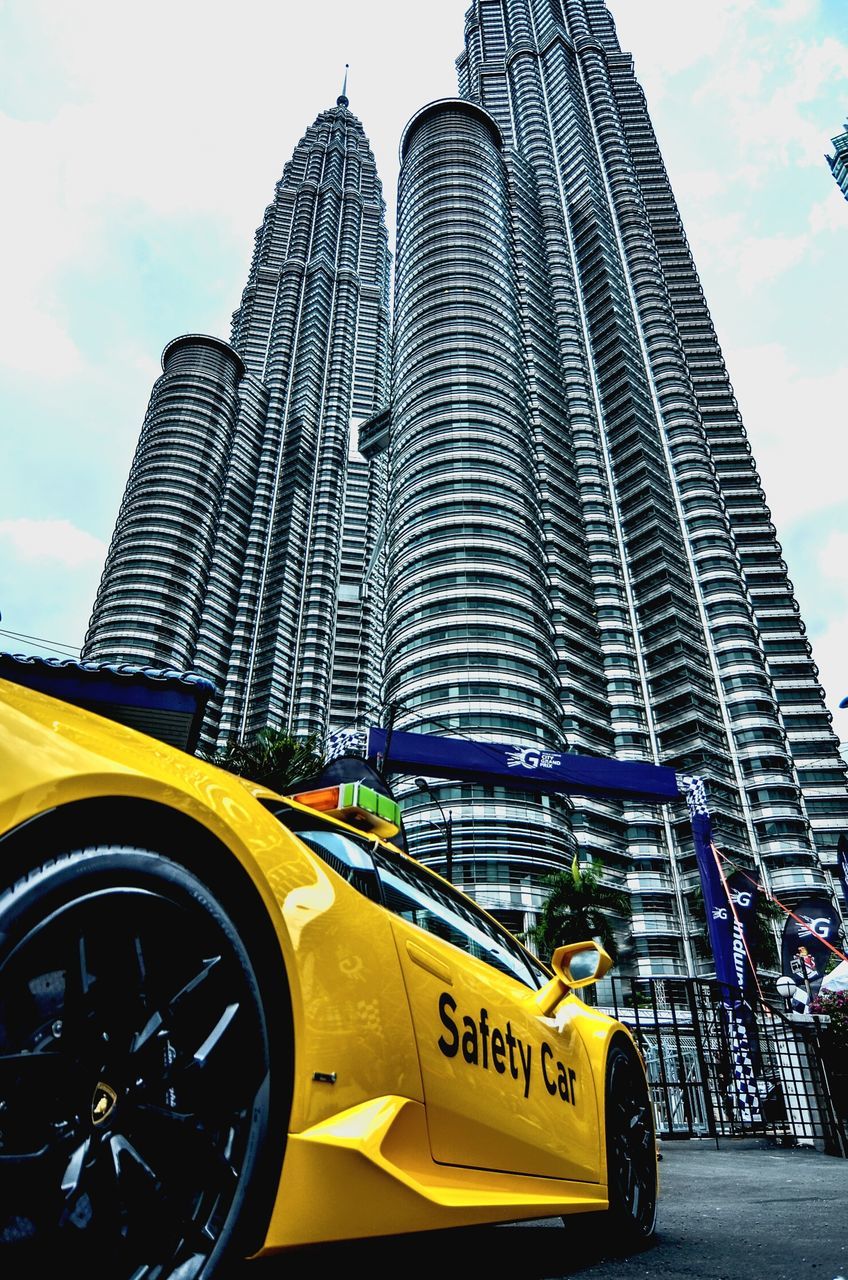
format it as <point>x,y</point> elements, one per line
<point>234,1022</point>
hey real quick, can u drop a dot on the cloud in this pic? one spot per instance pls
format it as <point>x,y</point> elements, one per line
<point>40,233</point>
<point>655,29</point>
<point>833,560</point>
<point>775,91</point>
<point>786,11</point>
<point>829,640</point>
<point>796,426</point>
<point>764,258</point>
<point>786,117</point>
<point>697,185</point>
<point>830,214</point>
<point>829,654</point>
<point>748,262</point>
<point>34,342</point>
<point>53,540</point>
<point>766,76</point>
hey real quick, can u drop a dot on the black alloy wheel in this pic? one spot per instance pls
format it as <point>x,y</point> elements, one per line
<point>631,1149</point>
<point>134,1071</point>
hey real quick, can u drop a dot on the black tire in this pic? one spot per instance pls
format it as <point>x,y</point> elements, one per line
<point>631,1149</point>
<point>134,1071</point>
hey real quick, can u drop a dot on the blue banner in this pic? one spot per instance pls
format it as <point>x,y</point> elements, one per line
<point>733,970</point>
<point>727,948</point>
<point>842,859</point>
<point>743,896</point>
<point>530,768</point>
<point>805,954</point>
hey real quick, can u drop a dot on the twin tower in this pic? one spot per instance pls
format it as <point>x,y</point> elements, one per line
<point>520,507</point>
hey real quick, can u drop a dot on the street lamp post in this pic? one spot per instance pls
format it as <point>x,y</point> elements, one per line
<point>786,987</point>
<point>447,822</point>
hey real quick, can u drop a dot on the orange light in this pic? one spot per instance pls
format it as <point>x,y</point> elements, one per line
<point>325,799</point>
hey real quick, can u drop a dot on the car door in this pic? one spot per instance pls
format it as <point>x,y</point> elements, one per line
<point>505,1088</point>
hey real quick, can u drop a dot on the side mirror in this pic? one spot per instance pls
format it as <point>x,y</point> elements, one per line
<point>580,963</point>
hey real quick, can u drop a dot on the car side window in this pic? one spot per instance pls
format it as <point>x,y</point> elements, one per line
<point>412,894</point>
<point>347,858</point>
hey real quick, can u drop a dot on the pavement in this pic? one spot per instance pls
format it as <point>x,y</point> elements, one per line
<point>742,1210</point>
<point>739,1210</point>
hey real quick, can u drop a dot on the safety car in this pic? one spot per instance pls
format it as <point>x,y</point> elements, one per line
<point>234,1022</point>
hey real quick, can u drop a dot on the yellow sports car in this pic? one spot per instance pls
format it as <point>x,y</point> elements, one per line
<point>233,1022</point>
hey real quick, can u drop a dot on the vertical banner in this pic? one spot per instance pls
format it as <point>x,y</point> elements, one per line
<point>805,954</point>
<point>731,960</point>
<point>743,895</point>
<point>842,860</point>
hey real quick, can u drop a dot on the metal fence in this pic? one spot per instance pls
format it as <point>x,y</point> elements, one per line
<point>683,1030</point>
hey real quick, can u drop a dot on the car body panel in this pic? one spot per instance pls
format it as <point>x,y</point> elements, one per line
<point>356,1025</point>
<point>72,755</point>
<point>387,1132</point>
<point>498,1090</point>
<point>376,1161</point>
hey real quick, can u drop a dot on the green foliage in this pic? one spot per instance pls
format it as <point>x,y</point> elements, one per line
<point>273,758</point>
<point>760,934</point>
<point>835,1005</point>
<point>578,907</point>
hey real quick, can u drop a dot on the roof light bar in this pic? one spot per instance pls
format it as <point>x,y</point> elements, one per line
<point>356,804</point>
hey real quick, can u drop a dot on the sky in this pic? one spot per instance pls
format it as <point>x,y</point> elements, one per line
<point>141,144</point>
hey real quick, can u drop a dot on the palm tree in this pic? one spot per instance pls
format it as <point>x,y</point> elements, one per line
<point>273,758</point>
<point>578,907</point>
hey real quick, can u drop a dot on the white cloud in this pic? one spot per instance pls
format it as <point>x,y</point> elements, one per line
<point>829,649</point>
<point>770,89</point>
<point>830,214</point>
<point>56,540</point>
<point>694,186</point>
<point>796,422</point>
<point>785,118</point>
<point>748,261</point>
<point>764,258</point>
<point>833,562</point>
<point>786,11</point>
<point>34,342</point>
<point>763,73</point>
<point>671,37</point>
<point>713,237</point>
<point>41,232</point>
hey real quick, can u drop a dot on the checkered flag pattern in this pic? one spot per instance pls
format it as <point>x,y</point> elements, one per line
<point>347,742</point>
<point>695,792</point>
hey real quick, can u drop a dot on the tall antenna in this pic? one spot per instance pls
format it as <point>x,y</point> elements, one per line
<point>342,98</point>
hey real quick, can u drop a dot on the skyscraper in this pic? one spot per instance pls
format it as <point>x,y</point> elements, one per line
<point>839,161</point>
<point>580,549</point>
<point>250,516</point>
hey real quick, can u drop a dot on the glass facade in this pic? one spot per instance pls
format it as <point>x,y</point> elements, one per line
<point>839,161</point>
<point>555,534</point>
<point>250,514</point>
<point>470,641</point>
<point>581,548</point>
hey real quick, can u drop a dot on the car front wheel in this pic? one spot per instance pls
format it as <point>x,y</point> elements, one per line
<point>134,1070</point>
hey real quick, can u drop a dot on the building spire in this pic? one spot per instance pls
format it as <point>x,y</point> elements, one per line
<point>341,100</point>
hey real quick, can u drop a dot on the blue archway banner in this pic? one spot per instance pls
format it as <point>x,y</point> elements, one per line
<point>529,768</point>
